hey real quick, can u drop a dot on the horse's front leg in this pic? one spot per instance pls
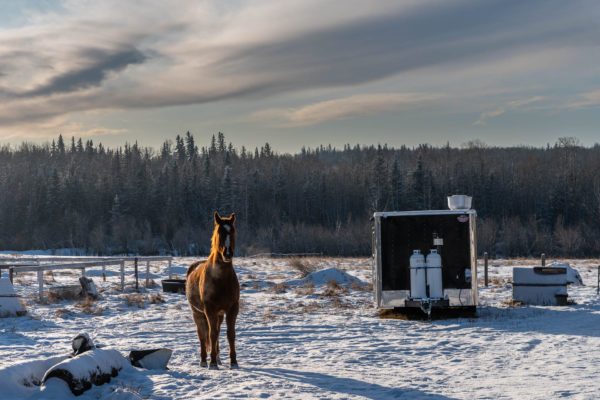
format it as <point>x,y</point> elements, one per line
<point>230,319</point>
<point>213,321</point>
<point>219,323</point>
<point>202,329</point>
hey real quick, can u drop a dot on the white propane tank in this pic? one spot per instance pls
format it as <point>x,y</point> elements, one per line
<point>417,275</point>
<point>434,274</point>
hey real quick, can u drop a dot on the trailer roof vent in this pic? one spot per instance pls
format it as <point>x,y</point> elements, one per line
<point>459,202</point>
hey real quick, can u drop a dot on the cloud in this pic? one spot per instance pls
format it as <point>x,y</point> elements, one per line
<point>344,108</point>
<point>488,114</point>
<point>585,100</point>
<point>523,102</point>
<point>125,55</point>
<point>51,127</point>
<point>101,63</point>
<point>511,105</point>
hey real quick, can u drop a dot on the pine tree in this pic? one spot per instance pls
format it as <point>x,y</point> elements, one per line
<point>61,145</point>
<point>418,185</point>
<point>396,187</point>
<point>378,181</point>
<point>213,145</point>
<point>180,148</point>
<point>226,201</point>
<point>165,150</point>
<point>221,148</point>
<point>190,146</point>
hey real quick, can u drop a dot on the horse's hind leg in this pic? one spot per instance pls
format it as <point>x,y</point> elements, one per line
<point>202,330</point>
<point>230,320</point>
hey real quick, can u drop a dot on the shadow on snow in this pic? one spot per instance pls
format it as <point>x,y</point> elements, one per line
<point>348,386</point>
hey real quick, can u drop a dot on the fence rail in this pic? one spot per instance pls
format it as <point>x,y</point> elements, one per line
<point>41,264</point>
<point>275,255</point>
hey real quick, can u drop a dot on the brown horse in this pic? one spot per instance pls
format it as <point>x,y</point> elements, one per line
<point>213,291</point>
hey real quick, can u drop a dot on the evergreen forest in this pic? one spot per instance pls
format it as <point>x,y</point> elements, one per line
<point>72,193</point>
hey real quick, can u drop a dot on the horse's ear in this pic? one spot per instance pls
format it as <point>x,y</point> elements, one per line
<point>232,217</point>
<point>218,219</point>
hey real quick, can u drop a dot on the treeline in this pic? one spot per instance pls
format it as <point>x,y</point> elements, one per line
<point>138,200</point>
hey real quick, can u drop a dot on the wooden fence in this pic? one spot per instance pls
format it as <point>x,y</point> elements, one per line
<point>41,264</point>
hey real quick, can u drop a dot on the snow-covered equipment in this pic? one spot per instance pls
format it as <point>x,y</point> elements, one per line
<point>573,276</point>
<point>94,367</point>
<point>450,271</point>
<point>459,202</point>
<point>173,285</point>
<point>82,343</point>
<point>418,285</point>
<point>10,306</point>
<point>544,286</point>
<point>150,359</point>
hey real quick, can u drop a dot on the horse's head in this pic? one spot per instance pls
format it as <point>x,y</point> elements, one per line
<point>224,236</point>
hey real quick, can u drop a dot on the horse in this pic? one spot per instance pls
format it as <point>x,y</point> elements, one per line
<point>213,291</point>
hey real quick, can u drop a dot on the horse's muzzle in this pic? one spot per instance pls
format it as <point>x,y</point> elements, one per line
<point>228,255</point>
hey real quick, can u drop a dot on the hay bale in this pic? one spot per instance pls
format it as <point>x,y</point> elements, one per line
<point>64,292</point>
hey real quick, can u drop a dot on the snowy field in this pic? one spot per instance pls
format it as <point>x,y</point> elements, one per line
<point>317,341</point>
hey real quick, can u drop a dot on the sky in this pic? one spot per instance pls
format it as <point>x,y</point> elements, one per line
<point>301,72</point>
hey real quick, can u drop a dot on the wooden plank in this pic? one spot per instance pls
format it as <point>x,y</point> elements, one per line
<point>135,263</point>
<point>485,268</point>
<point>122,275</point>
<point>40,275</point>
<point>147,273</point>
<point>49,267</point>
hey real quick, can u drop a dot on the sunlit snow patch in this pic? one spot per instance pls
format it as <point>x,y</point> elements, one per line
<point>321,277</point>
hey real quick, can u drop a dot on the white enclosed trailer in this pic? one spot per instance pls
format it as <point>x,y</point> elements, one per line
<point>396,236</point>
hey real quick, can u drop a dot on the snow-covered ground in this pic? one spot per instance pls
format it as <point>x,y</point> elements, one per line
<point>306,339</point>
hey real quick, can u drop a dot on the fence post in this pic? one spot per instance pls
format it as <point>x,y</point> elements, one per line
<point>485,268</point>
<point>11,271</point>
<point>170,269</point>
<point>543,259</point>
<point>103,272</point>
<point>147,273</point>
<point>122,275</point>
<point>40,274</point>
<point>135,263</point>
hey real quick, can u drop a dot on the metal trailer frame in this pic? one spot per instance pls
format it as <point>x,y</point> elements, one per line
<point>399,299</point>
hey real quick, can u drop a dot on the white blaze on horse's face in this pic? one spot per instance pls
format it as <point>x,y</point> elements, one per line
<point>227,243</point>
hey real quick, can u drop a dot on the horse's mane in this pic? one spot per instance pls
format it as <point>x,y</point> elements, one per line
<point>214,242</point>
